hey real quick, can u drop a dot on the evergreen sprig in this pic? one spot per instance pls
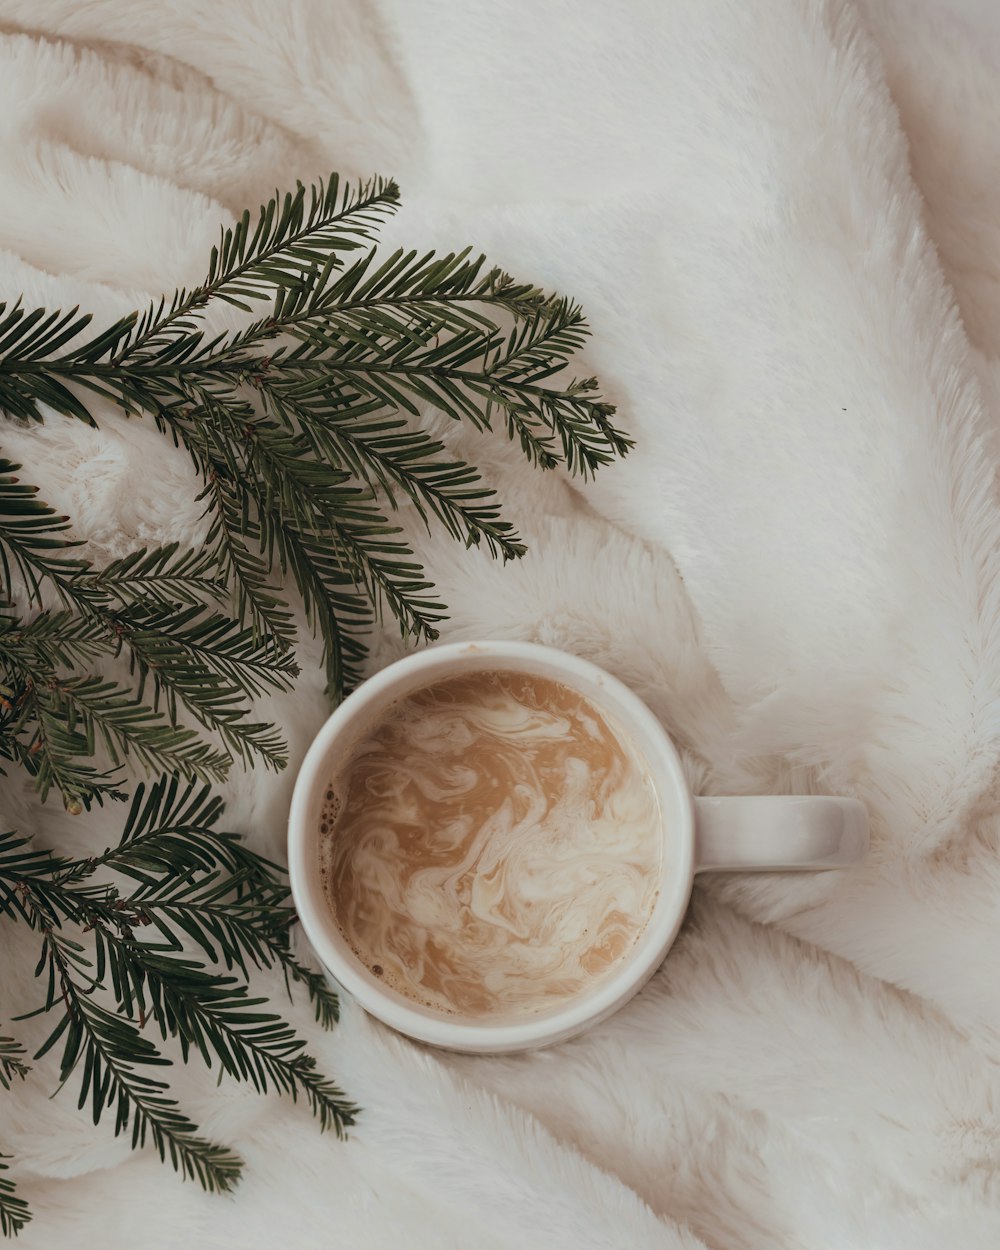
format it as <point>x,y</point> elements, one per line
<point>155,606</point>
<point>299,421</point>
<point>118,961</point>
<point>14,1211</point>
<point>302,424</point>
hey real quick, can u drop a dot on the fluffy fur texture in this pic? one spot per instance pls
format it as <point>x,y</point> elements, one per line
<point>797,568</point>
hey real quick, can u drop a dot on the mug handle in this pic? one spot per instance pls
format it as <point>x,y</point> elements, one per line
<point>779,833</point>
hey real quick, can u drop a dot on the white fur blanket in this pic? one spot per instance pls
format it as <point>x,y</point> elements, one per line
<point>798,315</point>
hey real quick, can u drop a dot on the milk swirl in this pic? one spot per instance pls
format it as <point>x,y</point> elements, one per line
<point>492,846</point>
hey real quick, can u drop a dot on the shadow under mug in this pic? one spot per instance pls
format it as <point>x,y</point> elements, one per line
<point>777,833</point>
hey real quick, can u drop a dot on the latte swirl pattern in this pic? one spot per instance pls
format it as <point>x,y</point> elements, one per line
<point>492,846</point>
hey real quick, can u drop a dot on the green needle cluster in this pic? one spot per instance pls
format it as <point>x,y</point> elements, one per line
<point>303,426</point>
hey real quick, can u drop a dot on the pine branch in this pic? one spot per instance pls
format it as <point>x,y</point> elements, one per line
<point>463,370</point>
<point>379,449</point>
<point>445,290</point>
<point>330,602</point>
<point>12,1061</point>
<point>171,830</point>
<point>325,1003</point>
<point>58,756</point>
<point>22,864</point>
<point>343,351</point>
<point>293,534</point>
<point>236,933</point>
<point>317,501</point>
<point>26,337</point>
<point>30,534</point>
<point>258,602</point>
<point>66,718</point>
<point>109,1049</point>
<point>452,287</point>
<point>193,656</point>
<point>170,575</point>
<point>219,645</point>
<point>169,836</point>
<point>209,664</point>
<point>52,640</point>
<point>14,1211</point>
<point>303,426</point>
<point>195,885</point>
<point>127,729</point>
<point>292,236</point>
<point>210,1015</point>
<point>198,883</point>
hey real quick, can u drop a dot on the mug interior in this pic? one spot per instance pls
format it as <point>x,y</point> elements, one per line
<point>626,713</point>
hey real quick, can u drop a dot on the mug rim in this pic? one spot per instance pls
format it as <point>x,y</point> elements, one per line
<point>666,774</point>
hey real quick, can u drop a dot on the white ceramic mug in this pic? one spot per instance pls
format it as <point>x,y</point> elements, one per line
<point>699,835</point>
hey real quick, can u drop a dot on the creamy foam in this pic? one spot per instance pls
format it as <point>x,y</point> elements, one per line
<point>492,845</point>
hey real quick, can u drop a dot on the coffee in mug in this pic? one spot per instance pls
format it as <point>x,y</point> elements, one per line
<point>491,845</point>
